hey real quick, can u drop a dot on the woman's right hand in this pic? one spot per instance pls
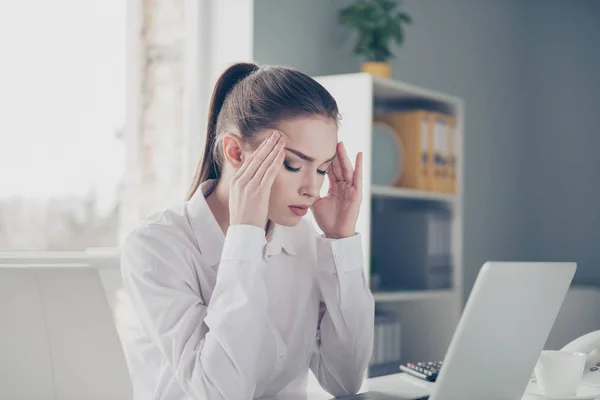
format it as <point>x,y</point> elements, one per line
<point>250,187</point>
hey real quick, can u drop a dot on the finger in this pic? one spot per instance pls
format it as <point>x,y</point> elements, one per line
<point>331,175</point>
<point>347,170</point>
<point>273,169</point>
<point>357,178</point>
<point>260,156</point>
<point>269,160</point>
<point>337,168</point>
<point>244,166</point>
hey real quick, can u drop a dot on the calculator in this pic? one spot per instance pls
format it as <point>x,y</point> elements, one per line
<point>424,370</point>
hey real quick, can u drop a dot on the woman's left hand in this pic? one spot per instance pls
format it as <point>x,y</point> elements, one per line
<point>336,213</point>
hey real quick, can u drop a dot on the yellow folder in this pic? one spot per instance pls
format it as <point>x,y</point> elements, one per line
<point>452,156</point>
<point>416,131</point>
<point>440,152</point>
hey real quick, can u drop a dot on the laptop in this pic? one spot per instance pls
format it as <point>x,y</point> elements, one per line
<point>501,333</point>
<point>57,336</point>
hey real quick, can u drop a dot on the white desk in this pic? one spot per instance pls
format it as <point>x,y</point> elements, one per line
<point>398,384</point>
<point>401,385</point>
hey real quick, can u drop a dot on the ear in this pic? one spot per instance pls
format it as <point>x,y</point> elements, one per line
<point>233,150</point>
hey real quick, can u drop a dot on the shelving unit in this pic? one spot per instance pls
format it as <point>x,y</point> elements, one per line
<point>397,192</point>
<point>428,317</point>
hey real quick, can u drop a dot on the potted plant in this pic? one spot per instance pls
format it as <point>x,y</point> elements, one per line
<point>377,23</point>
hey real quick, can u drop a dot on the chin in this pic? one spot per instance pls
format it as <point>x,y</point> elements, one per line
<point>291,220</point>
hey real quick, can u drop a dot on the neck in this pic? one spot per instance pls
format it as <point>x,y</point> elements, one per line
<point>218,202</point>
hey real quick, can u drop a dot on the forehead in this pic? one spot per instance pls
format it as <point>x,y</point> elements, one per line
<point>314,136</point>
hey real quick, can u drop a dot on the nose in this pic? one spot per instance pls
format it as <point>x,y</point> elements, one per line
<point>310,186</point>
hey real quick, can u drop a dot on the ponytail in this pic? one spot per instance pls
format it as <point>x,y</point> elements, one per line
<point>209,166</point>
<point>251,100</point>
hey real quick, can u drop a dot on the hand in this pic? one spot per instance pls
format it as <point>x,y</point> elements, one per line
<point>336,213</point>
<point>250,188</point>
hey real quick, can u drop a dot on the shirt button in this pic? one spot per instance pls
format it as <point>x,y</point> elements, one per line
<point>337,256</point>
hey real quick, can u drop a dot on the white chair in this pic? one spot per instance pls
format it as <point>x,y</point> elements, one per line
<point>58,338</point>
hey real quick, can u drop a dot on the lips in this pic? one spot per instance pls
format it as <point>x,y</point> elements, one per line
<point>299,210</point>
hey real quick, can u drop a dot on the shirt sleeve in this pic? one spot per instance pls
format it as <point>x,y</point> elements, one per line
<point>211,348</point>
<point>345,335</point>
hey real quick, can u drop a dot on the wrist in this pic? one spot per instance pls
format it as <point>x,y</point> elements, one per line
<point>339,235</point>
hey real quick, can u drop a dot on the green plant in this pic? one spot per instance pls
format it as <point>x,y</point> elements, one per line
<point>377,22</point>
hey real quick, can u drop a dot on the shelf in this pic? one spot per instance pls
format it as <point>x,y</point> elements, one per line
<point>390,89</point>
<point>413,295</point>
<point>359,96</point>
<point>397,192</point>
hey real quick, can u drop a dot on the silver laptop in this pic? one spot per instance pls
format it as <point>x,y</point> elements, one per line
<point>57,336</point>
<point>502,330</point>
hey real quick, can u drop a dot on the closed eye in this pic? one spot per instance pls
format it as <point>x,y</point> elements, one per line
<point>292,169</point>
<point>289,167</point>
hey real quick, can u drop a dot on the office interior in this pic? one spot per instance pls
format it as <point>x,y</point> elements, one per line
<point>519,80</point>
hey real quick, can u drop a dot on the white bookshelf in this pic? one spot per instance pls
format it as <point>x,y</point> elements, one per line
<point>428,317</point>
<point>397,192</point>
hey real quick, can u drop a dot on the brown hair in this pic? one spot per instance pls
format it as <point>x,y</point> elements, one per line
<point>249,98</point>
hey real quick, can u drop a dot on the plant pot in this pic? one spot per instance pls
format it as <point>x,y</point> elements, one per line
<point>379,69</point>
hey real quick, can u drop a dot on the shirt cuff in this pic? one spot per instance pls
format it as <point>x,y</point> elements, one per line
<point>244,242</point>
<point>340,255</point>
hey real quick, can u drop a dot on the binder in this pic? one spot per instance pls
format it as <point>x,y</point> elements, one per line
<point>439,177</point>
<point>427,161</point>
<point>416,132</point>
<point>387,346</point>
<point>452,147</point>
<point>413,247</point>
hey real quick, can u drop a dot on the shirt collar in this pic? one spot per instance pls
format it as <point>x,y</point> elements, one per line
<point>210,237</point>
<point>208,233</point>
<point>281,237</point>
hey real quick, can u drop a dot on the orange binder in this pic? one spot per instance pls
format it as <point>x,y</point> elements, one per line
<point>452,147</point>
<point>439,176</point>
<point>416,133</point>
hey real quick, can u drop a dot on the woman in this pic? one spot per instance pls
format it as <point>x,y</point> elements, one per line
<point>237,296</point>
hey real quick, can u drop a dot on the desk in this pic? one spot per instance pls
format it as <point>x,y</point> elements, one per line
<point>399,384</point>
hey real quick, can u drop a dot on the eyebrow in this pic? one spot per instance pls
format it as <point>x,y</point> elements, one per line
<point>307,158</point>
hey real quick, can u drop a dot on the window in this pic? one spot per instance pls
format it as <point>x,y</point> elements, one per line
<point>63,102</point>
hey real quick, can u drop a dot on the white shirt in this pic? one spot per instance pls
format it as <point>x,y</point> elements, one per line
<point>238,317</point>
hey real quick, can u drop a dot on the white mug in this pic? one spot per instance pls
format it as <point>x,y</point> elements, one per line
<point>558,373</point>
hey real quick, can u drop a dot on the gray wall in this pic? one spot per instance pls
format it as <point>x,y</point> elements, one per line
<point>559,159</point>
<point>498,56</point>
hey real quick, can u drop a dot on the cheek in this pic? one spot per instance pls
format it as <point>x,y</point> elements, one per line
<point>321,180</point>
<point>284,183</point>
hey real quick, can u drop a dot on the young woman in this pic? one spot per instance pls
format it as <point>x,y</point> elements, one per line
<point>236,295</point>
